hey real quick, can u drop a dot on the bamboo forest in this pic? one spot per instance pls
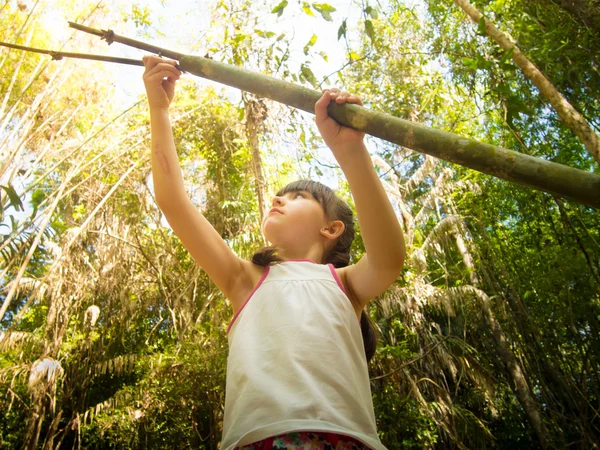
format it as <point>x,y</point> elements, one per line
<point>111,336</point>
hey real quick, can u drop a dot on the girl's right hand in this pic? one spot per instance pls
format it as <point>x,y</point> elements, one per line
<point>159,78</point>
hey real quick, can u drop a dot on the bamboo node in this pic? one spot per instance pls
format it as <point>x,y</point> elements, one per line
<point>55,56</point>
<point>108,36</point>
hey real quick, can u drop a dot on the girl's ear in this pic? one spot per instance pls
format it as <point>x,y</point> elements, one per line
<point>334,230</point>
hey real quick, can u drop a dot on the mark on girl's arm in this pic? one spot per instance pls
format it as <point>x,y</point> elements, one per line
<point>162,159</point>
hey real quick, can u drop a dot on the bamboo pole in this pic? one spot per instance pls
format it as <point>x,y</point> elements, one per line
<point>557,179</point>
<point>537,173</point>
<point>57,55</point>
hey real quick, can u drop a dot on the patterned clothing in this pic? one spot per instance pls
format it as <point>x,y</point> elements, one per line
<point>307,440</point>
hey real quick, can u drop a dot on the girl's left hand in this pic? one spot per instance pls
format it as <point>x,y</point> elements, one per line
<point>336,136</point>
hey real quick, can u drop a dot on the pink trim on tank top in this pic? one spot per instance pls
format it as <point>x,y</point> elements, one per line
<point>334,273</point>
<point>264,275</point>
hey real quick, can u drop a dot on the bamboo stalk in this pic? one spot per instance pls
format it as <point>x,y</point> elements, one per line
<point>537,173</point>
<point>557,179</point>
<point>60,55</point>
<point>109,36</point>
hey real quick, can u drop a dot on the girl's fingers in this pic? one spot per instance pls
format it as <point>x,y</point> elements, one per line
<point>355,99</point>
<point>160,75</point>
<point>159,72</point>
<point>343,97</point>
<point>151,62</point>
<point>155,59</point>
<point>150,70</point>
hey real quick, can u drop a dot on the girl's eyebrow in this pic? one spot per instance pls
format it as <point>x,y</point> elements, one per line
<point>297,192</point>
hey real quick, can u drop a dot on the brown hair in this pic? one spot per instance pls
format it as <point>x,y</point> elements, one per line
<point>335,209</point>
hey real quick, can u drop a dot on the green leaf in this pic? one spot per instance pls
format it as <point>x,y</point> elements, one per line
<point>324,9</point>
<point>14,225</point>
<point>470,63</point>
<point>481,27</point>
<point>279,8</point>
<point>483,63</point>
<point>370,30</point>
<point>308,75</point>
<point>306,9</point>
<point>371,12</point>
<point>353,56</point>
<point>507,55</point>
<point>310,43</point>
<point>264,34</point>
<point>342,30</point>
<point>239,38</point>
<point>514,108</point>
<point>15,201</point>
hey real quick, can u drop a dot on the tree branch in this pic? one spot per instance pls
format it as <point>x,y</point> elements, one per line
<point>60,55</point>
<point>537,173</point>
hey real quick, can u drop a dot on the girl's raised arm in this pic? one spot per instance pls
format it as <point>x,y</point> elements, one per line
<point>196,233</point>
<point>381,231</point>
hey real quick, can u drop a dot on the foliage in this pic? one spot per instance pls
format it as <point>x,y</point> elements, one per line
<point>137,332</point>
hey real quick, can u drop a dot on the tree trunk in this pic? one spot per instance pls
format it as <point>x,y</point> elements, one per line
<point>581,186</point>
<point>34,423</point>
<point>255,116</point>
<point>560,390</point>
<point>575,121</point>
<point>524,394</point>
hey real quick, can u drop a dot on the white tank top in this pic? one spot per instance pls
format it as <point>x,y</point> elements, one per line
<point>297,360</point>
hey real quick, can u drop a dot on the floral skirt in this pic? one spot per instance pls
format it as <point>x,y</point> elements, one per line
<point>307,440</point>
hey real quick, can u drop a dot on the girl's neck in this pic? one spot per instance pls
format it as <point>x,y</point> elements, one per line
<point>313,255</point>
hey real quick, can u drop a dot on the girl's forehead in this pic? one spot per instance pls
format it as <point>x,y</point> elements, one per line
<point>296,191</point>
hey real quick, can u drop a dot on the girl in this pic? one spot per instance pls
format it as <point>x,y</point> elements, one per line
<point>297,375</point>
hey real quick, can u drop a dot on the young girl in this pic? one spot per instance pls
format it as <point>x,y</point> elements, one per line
<point>297,375</point>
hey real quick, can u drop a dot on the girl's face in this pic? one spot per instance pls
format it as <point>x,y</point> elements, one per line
<point>299,223</point>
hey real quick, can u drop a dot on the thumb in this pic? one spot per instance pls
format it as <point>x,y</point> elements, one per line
<point>321,113</point>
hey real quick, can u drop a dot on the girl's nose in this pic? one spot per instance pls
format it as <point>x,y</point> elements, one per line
<point>277,201</point>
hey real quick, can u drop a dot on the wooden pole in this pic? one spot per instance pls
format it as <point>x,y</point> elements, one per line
<point>537,173</point>
<point>57,55</point>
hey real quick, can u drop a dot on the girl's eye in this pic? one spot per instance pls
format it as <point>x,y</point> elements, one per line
<point>298,194</point>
